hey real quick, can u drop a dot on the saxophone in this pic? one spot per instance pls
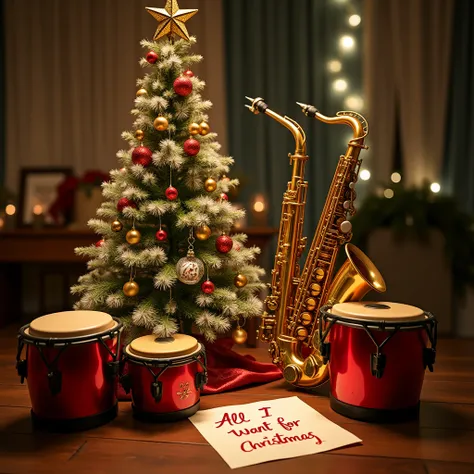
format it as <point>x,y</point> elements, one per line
<point>290,322</point>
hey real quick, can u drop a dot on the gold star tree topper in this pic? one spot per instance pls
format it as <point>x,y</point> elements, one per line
<point>171,19</point>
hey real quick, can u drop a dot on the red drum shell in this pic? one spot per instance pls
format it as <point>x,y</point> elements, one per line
<point>86,388</point>
<point>351,379</point>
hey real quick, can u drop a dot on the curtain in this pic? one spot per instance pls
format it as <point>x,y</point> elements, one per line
<point>279,50</point>
<point>71,70</point>
<point>2,94</point>
<point>459,156</point>
<point>407,69</point>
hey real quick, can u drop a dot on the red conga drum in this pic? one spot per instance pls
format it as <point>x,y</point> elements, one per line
<point>71,366</point>
<point>377,354</point>
<point>165,376</point>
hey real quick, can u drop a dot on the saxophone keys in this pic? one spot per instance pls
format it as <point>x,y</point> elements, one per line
<point>345,227</point>
<point>310,303</point>
<point>347,205</point>
<point>306,318</point>
<point>318,274</point>
<point>315,289</point>
<point>301,333</point>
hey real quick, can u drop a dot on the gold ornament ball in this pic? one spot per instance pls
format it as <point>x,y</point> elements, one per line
<point>131,288</point>
<point>239,335</point>
<point>203,232</point>
<point>205,129</point>
<point>116,226</point>
<point>240,280</point>
<point>194,129</point>
<point>141,92</point>
<point>210,185</point>
<point>139,135</point>
<point>133,236</point>
<point>160,124</point>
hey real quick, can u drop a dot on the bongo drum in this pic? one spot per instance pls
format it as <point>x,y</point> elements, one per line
<point>165,376</point>
<point>377,354</point>
<point>71,366</point>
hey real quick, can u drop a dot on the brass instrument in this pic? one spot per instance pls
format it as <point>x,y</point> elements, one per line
<point>290,322</point>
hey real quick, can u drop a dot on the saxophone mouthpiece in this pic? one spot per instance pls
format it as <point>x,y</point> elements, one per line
<point>308,110</point>
<point>258,105</point>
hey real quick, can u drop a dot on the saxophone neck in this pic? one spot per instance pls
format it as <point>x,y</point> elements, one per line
<point>258,105</point>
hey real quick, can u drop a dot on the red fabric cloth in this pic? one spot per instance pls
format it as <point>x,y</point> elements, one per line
<point>227,370</point>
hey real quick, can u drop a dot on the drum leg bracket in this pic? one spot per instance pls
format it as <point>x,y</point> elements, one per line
<point>429,357</point>
<point>21,369</point>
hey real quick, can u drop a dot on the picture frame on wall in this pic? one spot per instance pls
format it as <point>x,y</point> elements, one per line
<point>38,190</point>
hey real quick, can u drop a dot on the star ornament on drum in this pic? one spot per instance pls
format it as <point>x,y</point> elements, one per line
<point>71,356</point>
<point>379,376</point>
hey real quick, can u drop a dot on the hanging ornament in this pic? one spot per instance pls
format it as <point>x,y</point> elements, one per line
<point>190,269</point>
<point>224,197</point>
<point>239,335</point>
<point>131,288</point>
<point>161,235</point>
<point>191,147</point>
<point>183,86</point>
<point>171,193</point>
<point>142,156</point>
<point>224,243</point>
<point>240,280</point>
<point>207,287</point>
<point>225,179</point>
<point>236,246</point>
<point>125,202</point>
<point>194,129</point>
<point>160,124</point>
<point>139,134</point>
<point>141,92</point>
<point>133,236</point>
<point>152,57</point>
<point>210,185</point>
<point>203,232</point>
<point>205,129</point>
<point>100,242</point>
<point>188,73</point>
<point>116,225</point>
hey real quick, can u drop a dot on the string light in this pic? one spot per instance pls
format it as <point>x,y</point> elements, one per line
<point>347,43</point>
<point>354,20</point>
<point>334,65</point>
<point>396,177</point>
<point>339,85</point>
<point>388,193</point>
<point>365,175</point>
<point>259,204</point>
<point>38,210</point>
<point>435,187</point>
<point>354,102</point>
<point>10,210</point>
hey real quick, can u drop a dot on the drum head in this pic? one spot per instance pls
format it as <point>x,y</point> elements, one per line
<point>378,311</point>
<point>70,324</point>
<point>153,347</point>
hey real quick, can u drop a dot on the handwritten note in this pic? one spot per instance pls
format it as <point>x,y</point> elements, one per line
<point>265,431</point>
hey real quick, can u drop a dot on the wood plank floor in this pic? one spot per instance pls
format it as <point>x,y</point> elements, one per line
<point>440,442</point>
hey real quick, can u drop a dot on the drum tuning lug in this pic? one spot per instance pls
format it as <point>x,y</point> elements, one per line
<point>55,381</point>
<point>200,380</point>
<point>429,356</point>
<point>126,382</point>
<point>112,369</point>
<point>378,364</point>
<point>325,351</point>
<point>21,369</point>
<point>157,390</point>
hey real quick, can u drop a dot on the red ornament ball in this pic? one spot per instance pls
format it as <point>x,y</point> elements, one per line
<point>152,57</point>
<point>224,197</point>
<point>207,287</point>
<point>161,235</point>
<point>123,203</point>
<point>188,73</point>
<point>142,156</point>
<point>171,193</point>
<point>100,242</point>
<point>224,243</point>
<point>183,86</point>
<point>191,147</point>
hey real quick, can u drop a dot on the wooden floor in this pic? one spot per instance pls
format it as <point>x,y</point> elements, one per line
<point>441,442</point>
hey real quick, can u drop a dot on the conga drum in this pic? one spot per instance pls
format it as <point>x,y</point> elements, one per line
<point>377,354</point>
<point>71,366</point>
<point>165,376</point>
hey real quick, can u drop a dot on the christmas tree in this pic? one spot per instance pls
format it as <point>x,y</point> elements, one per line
<point>165,262</point>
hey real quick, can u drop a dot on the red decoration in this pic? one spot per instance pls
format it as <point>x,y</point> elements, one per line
<point>161,235</point>
<point>188,73</point>
<point>224,243</point>
<point>171,193</point>
<point>191,147</point>
<point>142,156</point>
<point>183,86</point>
<point>123,203</point>
<point>100,242</point>
<point>207,287</point>
<point>152,57</point>
<point>224,197</point>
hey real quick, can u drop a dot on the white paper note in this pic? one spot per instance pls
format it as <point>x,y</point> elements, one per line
<point>265,431</point>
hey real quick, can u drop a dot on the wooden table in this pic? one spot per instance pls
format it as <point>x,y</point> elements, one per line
<point>441,442</point>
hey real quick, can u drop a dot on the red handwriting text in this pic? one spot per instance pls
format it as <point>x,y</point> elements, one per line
<point>249,446</point>
<point>232,419</point>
